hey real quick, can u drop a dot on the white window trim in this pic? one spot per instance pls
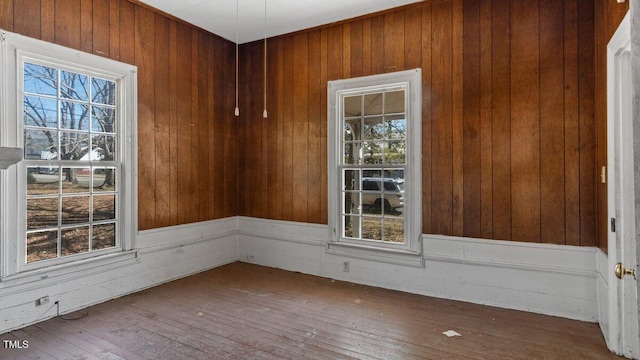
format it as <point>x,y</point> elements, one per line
<point>409,253</point>
<point>13,47</point>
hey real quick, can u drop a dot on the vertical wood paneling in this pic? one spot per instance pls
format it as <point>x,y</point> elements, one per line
<point>280,189</point>
<point>100,27</point>
<point>525,120</point>
<point>173,124</point>
<point>288,117</point>
<point>86,25</point>
<point>442,118</point>
<point>412,45</point>
<point>314,171</point>
<point>47,20</point>
<point>162,113</point>
<point>458,119</point>
<point>27,18</point>
<point>230,128</point>
<point>323,219</point>
<point>393,42</point>
<point>114,30</point>
<point>67,26</point>
<point>144,52</point>
<point>552,194</point>
<point>486,121</point>
<point>7,15</point>
<point>184,107</point>
<point>427,91</point>
<point>300,126</point>
<point>356,50</point>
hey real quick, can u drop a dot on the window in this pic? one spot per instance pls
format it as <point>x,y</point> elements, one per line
<point>73,114</point>
<point>374,164</point>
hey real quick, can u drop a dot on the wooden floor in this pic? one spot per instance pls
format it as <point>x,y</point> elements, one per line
<point>243,311</point>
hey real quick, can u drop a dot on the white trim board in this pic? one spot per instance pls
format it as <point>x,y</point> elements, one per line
<point>546,279</point>
<point>163,255</point>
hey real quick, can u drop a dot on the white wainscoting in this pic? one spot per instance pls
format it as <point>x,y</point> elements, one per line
<point>604,312</point>
<point>546,279</point>
<point>162,255</point>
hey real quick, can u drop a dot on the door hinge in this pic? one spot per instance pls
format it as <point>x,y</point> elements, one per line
<point>613,224</point>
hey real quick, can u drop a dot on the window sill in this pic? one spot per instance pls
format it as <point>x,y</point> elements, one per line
<point>383,255</point>
<point>71,270</point>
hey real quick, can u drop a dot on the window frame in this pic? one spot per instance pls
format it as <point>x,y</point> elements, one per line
<point>410,252</point>
<point>15,50</point>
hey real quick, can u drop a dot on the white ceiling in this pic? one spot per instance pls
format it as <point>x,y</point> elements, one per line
<point>283,16</point>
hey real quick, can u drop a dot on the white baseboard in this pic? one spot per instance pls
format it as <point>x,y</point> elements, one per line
<point>163,255</point>
<point>547,279</point>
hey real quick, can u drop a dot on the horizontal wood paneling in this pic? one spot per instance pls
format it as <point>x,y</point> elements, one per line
<point>187,142</point>
<point>509,133</point>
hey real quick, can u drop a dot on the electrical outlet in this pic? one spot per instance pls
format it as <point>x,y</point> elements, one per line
<point>43,300</point>
<point>345,266</point>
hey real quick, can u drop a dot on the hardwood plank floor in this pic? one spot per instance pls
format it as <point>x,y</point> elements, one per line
<point>243,311</point>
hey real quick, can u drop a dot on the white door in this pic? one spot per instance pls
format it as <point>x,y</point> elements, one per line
<point>623,314</point>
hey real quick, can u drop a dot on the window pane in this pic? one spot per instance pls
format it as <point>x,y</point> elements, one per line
<point>352,129</point>
<point>103,119</point>
<point>39,111</point>
<point>372,228</point>
<point>103,91</point>
<point>394,102</point>
<point>42,213</point>
<point>372,152</point>
<point>103,148</point>
<point>395,152</point>
<point>373,104</point>
<point>104,207</point>
<point>104,179</point>
<point>74,146</point>
<point>74,86</point>
<point>351,203</point>
<point>395,127</point>
<point>352,106</point>
<point>75,210</point>
<point>104,236</point>
<point>74,240</point>
<point>74,116</point>
<point>394,229</point>
<point>40,144</point>
<point>42,245</point>
<point>75,180</point>
<point>352,153</point>
<point>40,79</point>
<point>352,226</point>
<point>351,180</point>
<point>43,180</point>
<point>373,128</point>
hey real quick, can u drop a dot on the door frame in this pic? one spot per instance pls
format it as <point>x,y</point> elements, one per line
<point>623,306</point>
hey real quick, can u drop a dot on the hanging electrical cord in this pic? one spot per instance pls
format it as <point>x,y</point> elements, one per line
<point>81,316</point>
<point>237,111</point>
<point>264,112</point>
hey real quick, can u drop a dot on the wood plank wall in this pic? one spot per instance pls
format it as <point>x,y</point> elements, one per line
<point>609,15</point>
<point>509,131</point>
<point>187,140</point>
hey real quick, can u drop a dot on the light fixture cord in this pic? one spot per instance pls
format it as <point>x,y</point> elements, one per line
<point>264,113</point>
<point>237,110</point>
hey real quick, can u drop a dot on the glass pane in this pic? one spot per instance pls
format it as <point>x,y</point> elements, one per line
<point>373,104</point>
<point>351,204</point>
<point>104,179</point>
<point>74,241</point>
<point>104,236</point>
<point>74,86</point>
<point>352,153</point>
<point>394,230</point>
<point>352,106</point>
<point>74,116</point>
<point>372,152</point>
<point>40,144</point>
<point>352,227</point>
<point>351,180</point>
<point>373,128</point>
<point>40,79</point>
<point>103,119</point>
<point>103,91</point>
<point>394,102</point>
<point>104,207</point>
<point>42,245</point>
<point>372,228</point>
<point>352,129</point>
<point>74,146</point>
<point>42,213</point>
<point>39,111</point>
<point>75,210</point>
<point>42,180</point>
<point>75,180</point>
<point>395,127</point>
<point>103,148</point>
<point>395,152</point>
